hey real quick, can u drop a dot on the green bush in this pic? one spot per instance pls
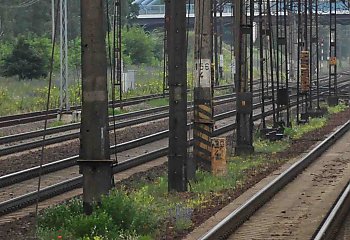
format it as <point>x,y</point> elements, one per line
<point>117,217</point>
<point>337,109</point>
<point>299,130</point>
<point>24,62</point>
<point>138,46</point>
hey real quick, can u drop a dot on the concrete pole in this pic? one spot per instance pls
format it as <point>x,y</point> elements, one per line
<point>203,89</point>
<point>95,163</point>
<point>177,59</point>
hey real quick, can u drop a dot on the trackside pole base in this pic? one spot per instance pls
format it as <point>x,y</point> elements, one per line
<point>69,116</point>
<point>332,101</point>
<point>97,181</point>
<point>244,150</point>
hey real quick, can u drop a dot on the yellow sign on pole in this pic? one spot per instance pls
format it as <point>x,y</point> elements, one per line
<point>332,61</point>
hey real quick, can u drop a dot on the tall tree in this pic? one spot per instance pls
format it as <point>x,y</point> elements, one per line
<point>23,62</point>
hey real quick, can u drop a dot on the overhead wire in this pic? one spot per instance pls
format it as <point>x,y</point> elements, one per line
<point>42,157</point>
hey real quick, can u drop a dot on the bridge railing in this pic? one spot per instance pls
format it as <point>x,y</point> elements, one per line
<point>227,9</point>
<point>160,9</point>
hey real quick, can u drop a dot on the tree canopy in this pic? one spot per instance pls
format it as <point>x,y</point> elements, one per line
<point>24,62</point>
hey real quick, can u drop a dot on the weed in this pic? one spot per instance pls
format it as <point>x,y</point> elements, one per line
<point>117,111</point>
<point>56,124</point>
<point>337,109</point>
<point>299,130</point>
<point>266,146</point>
<point>158,102</point>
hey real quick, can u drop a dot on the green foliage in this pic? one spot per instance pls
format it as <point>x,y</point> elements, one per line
<point>56,124</point>
<point>266,146</point>
<point>337,109</point>
<point>158,102</point>
<point>4,100</point>
<point>299,130</point>
<point>117,111</point>
<point>118,217</point>
<point>24,62</point>
<point>138,46</point>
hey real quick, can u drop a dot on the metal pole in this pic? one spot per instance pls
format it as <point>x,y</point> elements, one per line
<point>312,40</point>
<point>299,45</point>
<point>95,163</point>
<point>221,33</point>
<point>317,56</point>
<point>177,56</point>
<point>269,19</point>
<point>216,43</point>
<point>243,29</point>
<point>333,98</point>
<point>165,52</point>
<point>64,94</point>
<point>53,19</point>
<point>286,65</point>
<point>203,91</point>
<point>262,35</point>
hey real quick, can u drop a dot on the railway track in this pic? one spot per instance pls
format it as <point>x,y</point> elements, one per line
<point>30,140</point>
<point>61,164</point>
<point>336,218</point>
<point>61,187</point>
<point>24,118</point>
<point>256,219</point>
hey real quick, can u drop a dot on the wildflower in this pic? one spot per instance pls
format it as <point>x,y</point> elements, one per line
<point>59,237</point>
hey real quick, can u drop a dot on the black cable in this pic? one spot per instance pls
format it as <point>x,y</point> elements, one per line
<point>46,117</point>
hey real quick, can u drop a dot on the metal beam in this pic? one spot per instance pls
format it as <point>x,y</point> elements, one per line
<point>64,93</point>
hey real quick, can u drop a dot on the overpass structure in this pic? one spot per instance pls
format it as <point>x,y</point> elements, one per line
<point>151,14</point>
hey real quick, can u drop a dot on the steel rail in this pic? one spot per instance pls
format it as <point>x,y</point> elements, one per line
<point>241,214</point>
<point>335,218</point>
<point>222,99</point>
<point>27,199</point>
<point>68,127</point>
<point>48,192</point>
<point>71,136</point>
<point>24,118</point>
<point>53,140</point>
<point>19,176</point>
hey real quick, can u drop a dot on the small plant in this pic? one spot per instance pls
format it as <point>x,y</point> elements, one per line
<point>158,102</point>
<point>117,111</point>
<point>265,146</point>
<point>299,130</point>
<point>337,109</point>
<point>56,124</point>
<point>117,215</point>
